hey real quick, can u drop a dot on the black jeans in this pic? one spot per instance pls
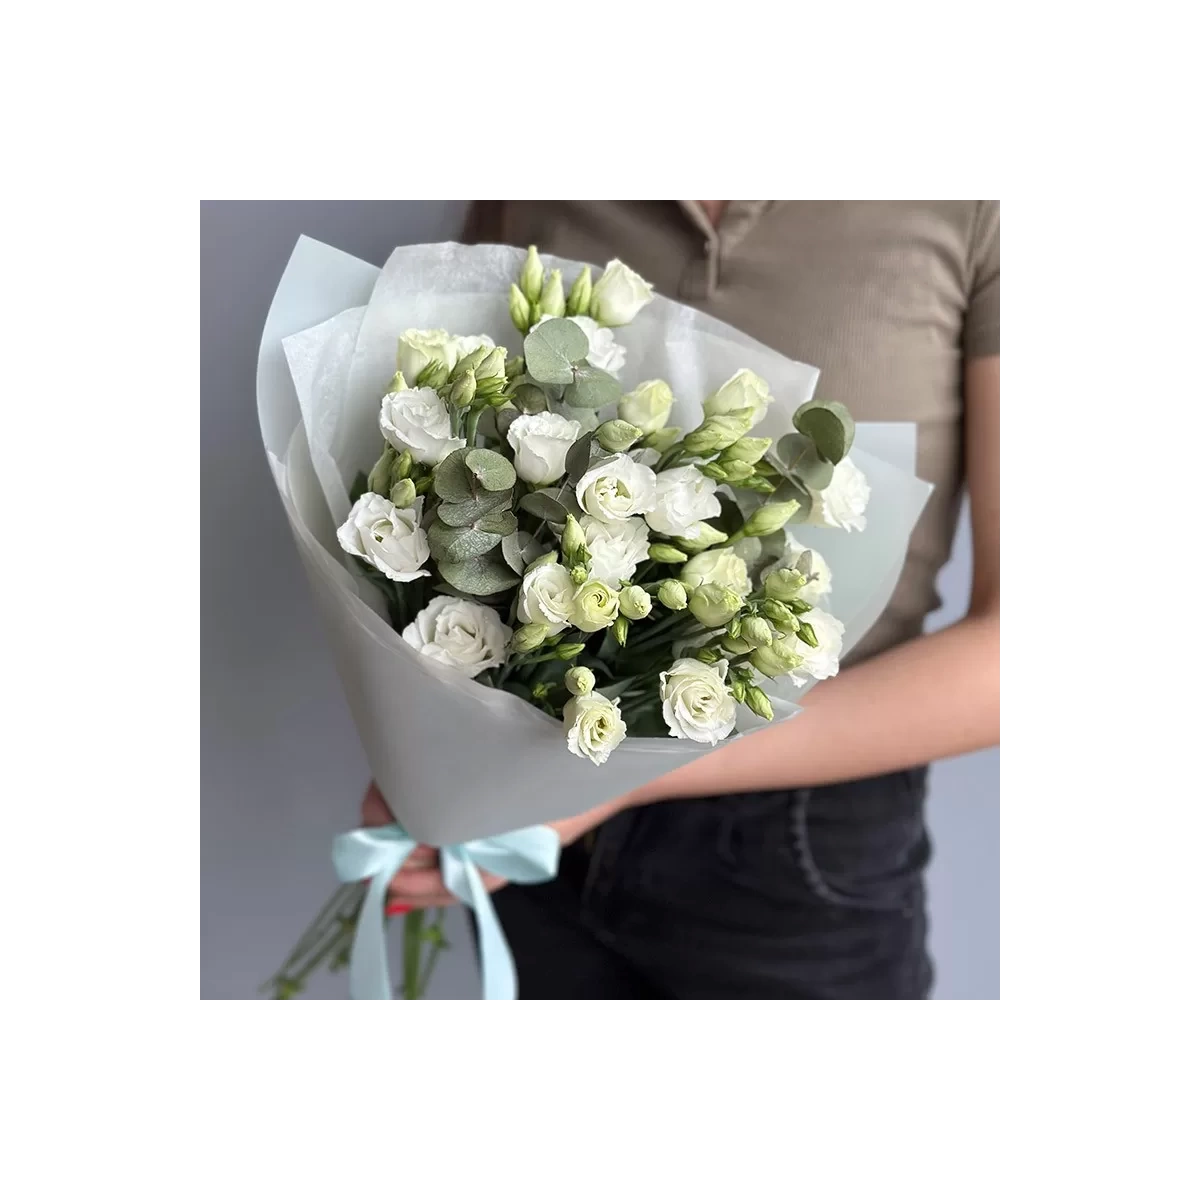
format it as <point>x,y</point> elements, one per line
<point>811,894</point>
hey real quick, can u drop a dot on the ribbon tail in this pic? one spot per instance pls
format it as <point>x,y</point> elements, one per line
<point>369,978</point>
<point>496,967</point>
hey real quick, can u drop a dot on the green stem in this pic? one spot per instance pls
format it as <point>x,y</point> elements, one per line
<point>434,950</point>
<point>473,426</point>
<point>413,922</point>
<point>317,926</point>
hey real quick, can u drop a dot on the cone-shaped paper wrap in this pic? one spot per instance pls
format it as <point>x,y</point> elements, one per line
<point>456,759</point>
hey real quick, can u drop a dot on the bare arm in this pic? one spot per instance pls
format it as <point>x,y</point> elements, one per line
<point>931,698</point>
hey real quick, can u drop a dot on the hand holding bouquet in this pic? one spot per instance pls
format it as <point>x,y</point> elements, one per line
<point>539,531</point>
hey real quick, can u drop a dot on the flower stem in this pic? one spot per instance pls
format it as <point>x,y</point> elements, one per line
<point>473,426</point>
<point>434,950</point>
<point>413,921</point>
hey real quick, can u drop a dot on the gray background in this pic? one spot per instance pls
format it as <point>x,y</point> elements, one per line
<point>281,767</point>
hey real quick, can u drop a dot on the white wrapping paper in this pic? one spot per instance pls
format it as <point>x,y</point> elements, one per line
<point>456,759</point>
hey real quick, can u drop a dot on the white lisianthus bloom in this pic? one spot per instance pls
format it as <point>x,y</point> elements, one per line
<point>616,547</point>
<point>604,352</point>
<point>820,578</point>
<point>696,704</point>
<point>597,606</point>
<point>540,442</point>
<point>723,567</point>
<point>594,726</point>
<point>843,504</point>
<point>460,633</point>
<point>683,498</point>
<point>389,538</point>
<point>417,348</point>
<point>619,295</point>
<point>547,597</point>
<point>743,390</point>
<point>648,406</point>
<point>417,420</point>
<point>616,488</point>
<point>819,661</point>
<point>463,346</point>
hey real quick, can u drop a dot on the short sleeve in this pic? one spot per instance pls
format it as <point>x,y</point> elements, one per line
<point>981,331</point>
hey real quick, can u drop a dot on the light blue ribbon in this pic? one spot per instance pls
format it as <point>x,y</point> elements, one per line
<point>524,856</point>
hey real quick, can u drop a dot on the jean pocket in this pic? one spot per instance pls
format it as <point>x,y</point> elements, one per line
<point>863,844</point>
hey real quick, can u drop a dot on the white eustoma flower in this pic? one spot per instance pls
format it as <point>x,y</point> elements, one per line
<point>723,567</point>
<point>604,352</point>
<point>696,704</point>
<point>417,348</point>
<point>468,345</point>
<point>648,406</point>
<point>547,597</point>
<point>743,390</point>
<point>417,420</point>
<point>616,547</point>
<point>820,578</point>
<point>540,442</point>
<point>619,295</point>
<point>387,537</point>
<point>594,726</point>
<point>819,661</point>
<point>843,504</point>
<point>460,633</point>
<point>683,498</point>
<point>616,488</point>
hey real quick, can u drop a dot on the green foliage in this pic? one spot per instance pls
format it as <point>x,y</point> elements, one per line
<point>470,511</point>
<point>830,426</point>
<point>798,457</point>
<point>553,349</point>
<point>450,544</point>
<point>578,458</point>
<point>592,388</point>
<point>520,549</point>
<point>544,507</point>
<point>478,576</point>
<point>492,470</point>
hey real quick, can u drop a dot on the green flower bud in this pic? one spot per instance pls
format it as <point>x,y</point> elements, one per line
<point>757,632</point>
<point>757,703</point>
<point>380,478</point>
<point>540,691</point>
<point>807,633</point>
<point>518,309</point>
<point>778,658</point>
<point>712,605</point>
<point>784,584</point>
<point>402,468</point>
<point>734,629</point>
<point>424,484</point>
<point>660,552</point>
<point>433,375</point>
<point>532,276</point>
<point>738,688</point>
<point>709,655</point>
<point>714,471</point>
<point>569,650</point>
<point>403,493</point>
<point>553,302</point>
<point>770,518</point>
<point>673,595</point>
<point>717,432</point>
<point>782,618</point>
<point>708,536</point>
<point>397,384</point>
<point>756,483</point>
<point>470,362</point>
<point>617,436</point>
<point>529,637</point>
<point>491,365</point>
<point>462,393</point>
<point>635,602</point>
<point>736,646</point>
<point>549,557</point>
<point>579,573</point>
<point>581,293</point>
<point>746,450</point>
<point>736,472</point>
<point>662,439</point>
<point>595,606</point>
<point>621,630</point>
<point>579,680</point>
<point>574,544</point>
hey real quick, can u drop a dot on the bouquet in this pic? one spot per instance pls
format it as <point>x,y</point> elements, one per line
<point>566,536</point>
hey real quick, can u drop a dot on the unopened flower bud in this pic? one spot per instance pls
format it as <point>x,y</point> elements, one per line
<point>782,618</point>
<point>579,681</point>
<point>738,688</point>
<point>433,375</point>
<point>776,659</point>
<point>746,450</point>
<point>673,595</point>
<point>380,478</point>
<point>757,632</point>
<point>580,295</point>
<point>579,574</point>
<point>462,393</point>
<point>620,630</point>
<point>713,605</point>
<point>569,650</point>
<point>736,646</point>
<point>757,702</point>
<point>532,276</point>
<point>707,535</point>
<point>491,366</point>
<point>617,436</point>
<point>634,602</point>
<point>660,552</point>
<point>518,309</point>
<point>716,432</point>
<point>552,300</point>
<point>514,366</point>
<point>403,493</point>
<point>529,637</point>
<point>662,439</point>
<point>770,518</point>
<point>709,655</point>
<point>807,633</point>
<point>784,584</point>
<point>574,544</point>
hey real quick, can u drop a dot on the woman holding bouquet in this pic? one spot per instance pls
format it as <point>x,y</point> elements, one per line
<point>789,865</point>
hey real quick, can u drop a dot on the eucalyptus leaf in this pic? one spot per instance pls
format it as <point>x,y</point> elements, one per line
<point>592,388</point>
<point>528,397</point>
<point>448,544</point>
<point>501,523</point>
<point>543,506</point>
<point>774,545</point>
<point>504,417</point>
<point>358,487</point>
<point>469,511</point>
<point>830,426</point>
<point>520,549</point>
<point>797,456</point>
<point>552,349</point>
<point>478,576</point>
<point>578,458</point>
<point>493,470</point>
<point>452,481</point>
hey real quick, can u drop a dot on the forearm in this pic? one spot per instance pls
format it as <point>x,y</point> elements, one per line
<point>931,698</point>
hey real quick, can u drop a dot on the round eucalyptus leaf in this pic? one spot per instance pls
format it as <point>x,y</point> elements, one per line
<point>469,511</point>
<point>448,544</point>
<point>592,388</point>
<point>553,348</point>
<point>797,455</point>
<point>520,549</point>
<point>501,523</point>
<point>493,470</point>
<point>451,479</point>
<point>830,426</point>
<point>478,576</point>
<point>544,507</point>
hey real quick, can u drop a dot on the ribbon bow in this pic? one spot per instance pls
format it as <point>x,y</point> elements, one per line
<point>524,856</point>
